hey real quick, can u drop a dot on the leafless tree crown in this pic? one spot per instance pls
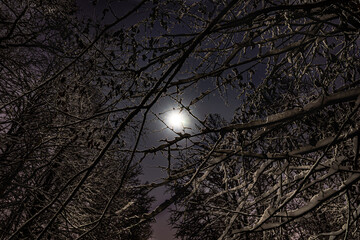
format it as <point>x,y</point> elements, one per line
<point>79,96</point>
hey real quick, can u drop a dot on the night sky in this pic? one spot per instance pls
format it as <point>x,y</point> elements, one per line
<point>243,114</point>
<point>213,104</point>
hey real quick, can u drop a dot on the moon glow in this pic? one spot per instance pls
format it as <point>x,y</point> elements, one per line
<point>176,120</point>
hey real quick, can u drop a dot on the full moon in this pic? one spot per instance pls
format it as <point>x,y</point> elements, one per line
<point>176,120</point>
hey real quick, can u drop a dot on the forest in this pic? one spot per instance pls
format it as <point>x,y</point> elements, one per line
<point>235,119</point>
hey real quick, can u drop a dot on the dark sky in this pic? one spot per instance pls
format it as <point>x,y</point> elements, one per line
<point>151,171</point>
<point>211,104</point>
<point>161,230</point>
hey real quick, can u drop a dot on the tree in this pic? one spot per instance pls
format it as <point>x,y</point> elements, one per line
<point>285,165</point>
<point>289,156</point>
<point>43,151</point>
<point>288,161</point>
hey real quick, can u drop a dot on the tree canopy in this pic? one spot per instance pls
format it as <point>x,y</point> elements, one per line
<point>80,94</point>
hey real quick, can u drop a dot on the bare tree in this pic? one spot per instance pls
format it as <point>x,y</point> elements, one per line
<point>288,160</point>
<point>285,165</point>
<point>53,123</point>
